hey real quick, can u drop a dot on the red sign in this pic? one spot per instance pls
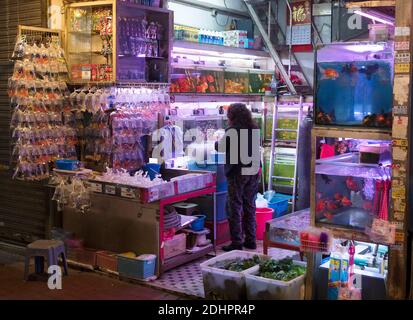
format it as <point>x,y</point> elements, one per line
<point>301,25</point>
<point>301,12</point>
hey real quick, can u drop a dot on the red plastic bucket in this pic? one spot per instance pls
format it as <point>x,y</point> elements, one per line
<point>262,216</point>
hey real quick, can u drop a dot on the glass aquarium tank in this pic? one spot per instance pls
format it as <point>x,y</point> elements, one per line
<point>352,181</point>
<point>236,82</point>
<point>209,81</point>
<point>183,80</point>
<point>259,81</point>
<point>354,85</point>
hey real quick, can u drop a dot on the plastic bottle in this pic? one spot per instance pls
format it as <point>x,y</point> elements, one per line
<point>344,274</point>
<point>334,274</point>
<point>273,85</point>
<point>351,253</point>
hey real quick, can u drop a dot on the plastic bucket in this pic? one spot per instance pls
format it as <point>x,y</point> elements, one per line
<point>152,169</point>
<point>198,224</point>
<point>262,216</point>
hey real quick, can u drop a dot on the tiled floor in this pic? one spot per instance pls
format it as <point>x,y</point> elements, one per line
<point>187,279</point>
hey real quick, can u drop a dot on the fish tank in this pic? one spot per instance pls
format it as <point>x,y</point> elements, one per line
<point>354,85</point>
<point>183,80</point>
<point>236,82</point>
<point>352,181</point>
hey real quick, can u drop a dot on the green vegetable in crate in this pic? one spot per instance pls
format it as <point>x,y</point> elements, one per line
<point>282,270</point>
<point>238,264</point>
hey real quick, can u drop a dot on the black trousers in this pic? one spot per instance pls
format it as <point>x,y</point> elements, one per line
<point>241,208</point>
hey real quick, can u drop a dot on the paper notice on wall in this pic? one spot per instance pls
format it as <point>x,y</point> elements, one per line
<point>400,125</point>
<point>400,153</point>
<point>401,89</point>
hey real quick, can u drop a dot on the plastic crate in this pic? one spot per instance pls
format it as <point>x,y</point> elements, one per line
<point>107,261</point>
<point>259,288</point>
<point>224,284</point>
<point>140,268</point>
<point>175,246</point>
<point>279,203</point>
<point>84,256</point>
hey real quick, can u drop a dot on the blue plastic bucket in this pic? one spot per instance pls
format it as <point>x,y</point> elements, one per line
<point>67,164</point>
<point>198,224</point>
<point>153,169</point>
<point>279,203</point>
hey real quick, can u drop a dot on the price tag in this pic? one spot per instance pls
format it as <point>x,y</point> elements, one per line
<point>399,225</point>
<point>398,193</point>
<point>399,237</point>
<point>402,68</point>
<point>400,110</point>
<point>127,193</point>
<point>110,190</point>
<point>399,216</point>
<point>400,142</point>
<point>402,57</point>
<point>399,206</point>
<point>402,45</point>
<point>96,187</point>
<point>401,89</point>
<point>402,31</point>
<point>400,125</point>
<point>400,153</point>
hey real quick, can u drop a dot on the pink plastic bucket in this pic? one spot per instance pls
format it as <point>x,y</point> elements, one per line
<point>262,216</point>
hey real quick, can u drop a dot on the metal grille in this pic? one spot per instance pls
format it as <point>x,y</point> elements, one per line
<point>23,206</point>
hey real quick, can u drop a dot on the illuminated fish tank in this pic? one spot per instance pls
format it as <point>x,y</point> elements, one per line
<point>354,85</point>
<point>352,181</point>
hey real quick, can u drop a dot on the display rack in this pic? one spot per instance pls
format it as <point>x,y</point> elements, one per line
<point>126,43</point>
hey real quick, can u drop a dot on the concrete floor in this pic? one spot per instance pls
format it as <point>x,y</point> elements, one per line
<point>79,285</point>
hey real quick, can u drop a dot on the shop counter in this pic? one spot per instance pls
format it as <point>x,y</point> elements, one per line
<point>123,221</point>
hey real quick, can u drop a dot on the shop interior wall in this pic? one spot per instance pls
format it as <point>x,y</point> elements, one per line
<point>23,206</point>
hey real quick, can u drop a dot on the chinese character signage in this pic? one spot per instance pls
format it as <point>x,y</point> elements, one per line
<point>301,32</point>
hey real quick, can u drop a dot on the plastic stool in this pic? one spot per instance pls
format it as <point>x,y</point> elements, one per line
<point>41,250</point>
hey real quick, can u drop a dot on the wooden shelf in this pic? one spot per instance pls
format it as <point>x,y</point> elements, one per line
<point>184,258</point>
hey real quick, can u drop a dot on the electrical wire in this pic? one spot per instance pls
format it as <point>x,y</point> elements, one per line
<point>226,23</point>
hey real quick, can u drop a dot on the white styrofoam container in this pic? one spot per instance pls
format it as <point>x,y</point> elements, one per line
<point>259,288</point>
<point>225,284</point>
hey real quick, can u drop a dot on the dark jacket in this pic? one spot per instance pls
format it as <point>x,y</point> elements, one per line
<point>239,158</point>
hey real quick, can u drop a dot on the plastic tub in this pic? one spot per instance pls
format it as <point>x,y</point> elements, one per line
<point>262,216</point>
<point>67,164</point>
<point>279,203</point>
<point>225,284</point>
<point>259,288</point>
<point>140,268</point>
<point>198,224</point>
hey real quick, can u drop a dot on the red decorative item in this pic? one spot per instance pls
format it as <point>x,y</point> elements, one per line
<point>384,206</point>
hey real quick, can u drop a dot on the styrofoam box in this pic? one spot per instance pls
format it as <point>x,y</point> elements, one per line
<point>225,284</point>
<point>259,288</point>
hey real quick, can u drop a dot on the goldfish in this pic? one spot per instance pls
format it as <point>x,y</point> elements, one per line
<point>338,196</point>
<point>346,202</point>
<point>349,68</point>
<point>351,184</point>
<point>331,205</point>
<point>328,215</point>
<point>329,74</point>
<point>320,206</point>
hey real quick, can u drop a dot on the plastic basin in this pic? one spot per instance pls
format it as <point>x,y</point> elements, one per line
<point>198,224</point>
<point>67,164</point>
